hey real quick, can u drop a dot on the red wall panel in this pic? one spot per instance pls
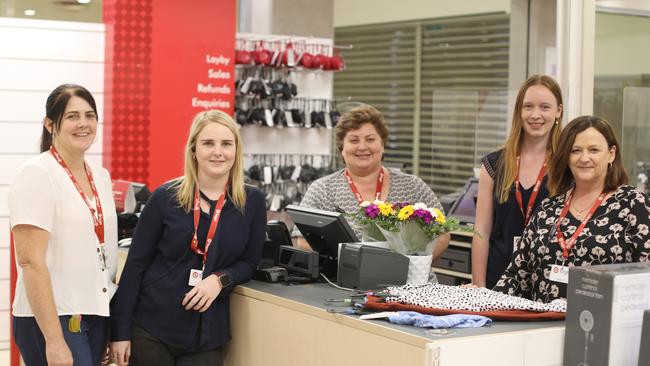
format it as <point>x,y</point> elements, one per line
<point>186,40</point>
<point>127,88</point>
<point>165,61</point>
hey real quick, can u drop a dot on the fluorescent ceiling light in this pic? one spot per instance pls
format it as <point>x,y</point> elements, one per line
<point>30,12</point>
<point>83,1</point>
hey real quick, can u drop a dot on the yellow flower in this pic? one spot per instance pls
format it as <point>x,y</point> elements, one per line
<point>386,208</point>
<point>405,212</point>
<point>440,217</point>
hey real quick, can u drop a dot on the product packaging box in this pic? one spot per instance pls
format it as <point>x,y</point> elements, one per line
<point>605,307</point>
<point>644,353</point>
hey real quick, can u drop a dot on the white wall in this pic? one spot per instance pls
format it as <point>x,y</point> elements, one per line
<point>35,57</point>
<point>622,44</point>
<point>624,5</point>
<point>357,12</point>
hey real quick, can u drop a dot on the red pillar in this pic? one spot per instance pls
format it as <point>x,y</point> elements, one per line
<point>160,56</point>
<point>127,88</point>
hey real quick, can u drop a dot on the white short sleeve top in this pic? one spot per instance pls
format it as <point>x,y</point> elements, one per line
<point>43,195</point>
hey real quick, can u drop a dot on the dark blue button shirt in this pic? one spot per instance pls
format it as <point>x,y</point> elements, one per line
<point>155,277</point>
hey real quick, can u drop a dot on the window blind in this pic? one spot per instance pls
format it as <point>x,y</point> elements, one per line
<point>380,70</point>
<point>440,83</point>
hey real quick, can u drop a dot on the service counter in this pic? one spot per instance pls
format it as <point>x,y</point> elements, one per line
<point>273,324</point>
<point>276,324</point>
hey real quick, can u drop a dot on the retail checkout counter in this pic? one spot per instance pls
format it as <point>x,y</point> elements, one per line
<point>277,324</point>
<point>290,325</point>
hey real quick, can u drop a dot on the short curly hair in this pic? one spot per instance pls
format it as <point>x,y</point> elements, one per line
<point>355,118</point>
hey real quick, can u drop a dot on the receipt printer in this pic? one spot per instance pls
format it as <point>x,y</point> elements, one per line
<point>366,267</point>
<point>271,274</point>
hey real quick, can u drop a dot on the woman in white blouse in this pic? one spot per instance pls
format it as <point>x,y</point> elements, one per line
<point>65,235</point>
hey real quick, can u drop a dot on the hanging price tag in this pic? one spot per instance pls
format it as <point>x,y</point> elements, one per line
<point>268,175</point>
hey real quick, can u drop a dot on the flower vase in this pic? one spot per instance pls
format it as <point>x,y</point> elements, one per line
<point>371,232</point>
<point>410,240</point>
<point>419,268</point>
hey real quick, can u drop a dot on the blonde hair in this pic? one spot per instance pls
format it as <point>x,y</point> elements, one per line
<point>185,185</point>
<point>507,163</point>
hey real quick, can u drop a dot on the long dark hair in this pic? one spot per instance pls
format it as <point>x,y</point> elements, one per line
<point>560,178</point>
<point>55,106</point>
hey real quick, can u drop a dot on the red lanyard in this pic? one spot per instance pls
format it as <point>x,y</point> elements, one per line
<point>567,245</point>
<point>98,220</point>
<point>533,196</point>
<point>213,224</point>
<point>380,183</point>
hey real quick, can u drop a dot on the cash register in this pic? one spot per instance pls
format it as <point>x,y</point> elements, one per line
<point>324,231</point>
<point>342,257</point>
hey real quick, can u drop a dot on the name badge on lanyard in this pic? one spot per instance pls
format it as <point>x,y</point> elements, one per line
<point>559,273</point>
<point>355,191</point>
<point>566,245</point>
<point>96,213</point>
<point>515,243</point>
<point>197,275</point>
<point>531,201</point>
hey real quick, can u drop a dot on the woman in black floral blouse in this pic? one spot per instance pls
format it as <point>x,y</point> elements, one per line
<point>593,217</point>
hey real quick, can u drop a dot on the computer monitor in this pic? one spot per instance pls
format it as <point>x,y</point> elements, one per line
<point>464,209</point>
<point>277,232</point>
<point>324,231</point>
<point>277,235</point>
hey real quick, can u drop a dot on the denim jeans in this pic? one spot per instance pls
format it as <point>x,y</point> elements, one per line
<point>87,346</point>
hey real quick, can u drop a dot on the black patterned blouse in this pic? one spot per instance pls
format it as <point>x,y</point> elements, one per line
<point>618,232</point>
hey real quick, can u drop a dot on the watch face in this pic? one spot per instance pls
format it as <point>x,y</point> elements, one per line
<point>224,280</point>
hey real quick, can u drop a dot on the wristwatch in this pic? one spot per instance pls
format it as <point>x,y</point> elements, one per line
<point>224,279</point>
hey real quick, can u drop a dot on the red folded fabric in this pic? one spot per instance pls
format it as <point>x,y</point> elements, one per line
<point>373,303</point>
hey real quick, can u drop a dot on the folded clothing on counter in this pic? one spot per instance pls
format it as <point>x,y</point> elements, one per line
<point>438,299</point>
<point>437,322</point>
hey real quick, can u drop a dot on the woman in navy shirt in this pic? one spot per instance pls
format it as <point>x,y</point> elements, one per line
<point>198,236</point>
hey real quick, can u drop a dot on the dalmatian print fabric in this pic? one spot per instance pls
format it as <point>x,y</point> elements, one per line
<point>437,296</point>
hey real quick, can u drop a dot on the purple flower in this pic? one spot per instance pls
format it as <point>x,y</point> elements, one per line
<point>423,214</point>
<point>372,210</point>
<point>420,213</point>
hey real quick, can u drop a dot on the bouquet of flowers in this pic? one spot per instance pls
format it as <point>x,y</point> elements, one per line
<point>410,229</point>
